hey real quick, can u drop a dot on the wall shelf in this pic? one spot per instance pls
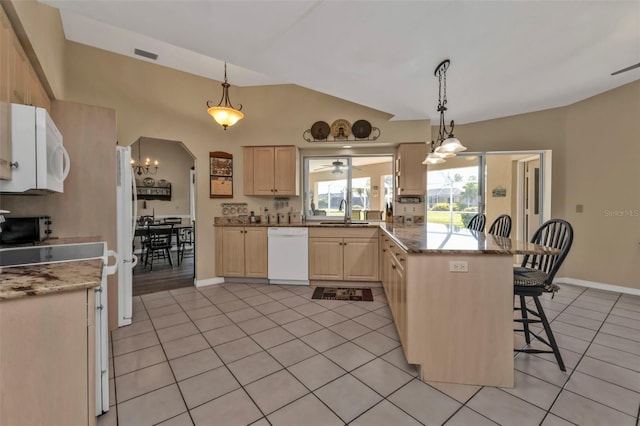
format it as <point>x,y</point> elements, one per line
<point>307,136</point>
<point>162,193</point>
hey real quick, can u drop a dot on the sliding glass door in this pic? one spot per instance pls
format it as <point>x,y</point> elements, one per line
<point>494,183</point>
<point>455,192</point>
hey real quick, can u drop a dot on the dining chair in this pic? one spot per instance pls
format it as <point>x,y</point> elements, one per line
<point>477,222</point>
<point>501,226</point>
<point>185,237</point>
<point>158,243</point>
<point>535,277</point>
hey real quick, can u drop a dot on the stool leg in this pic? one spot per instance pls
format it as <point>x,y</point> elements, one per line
<point>525,319</point>
<point>547,330</point>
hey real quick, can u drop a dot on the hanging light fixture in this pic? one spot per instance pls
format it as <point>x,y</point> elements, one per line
<point>145,168</point>
<point>226,115</point>
<point>445,145</point>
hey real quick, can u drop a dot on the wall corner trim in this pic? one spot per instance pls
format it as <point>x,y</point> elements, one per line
<point>209,281</point>
<point>597,285</point>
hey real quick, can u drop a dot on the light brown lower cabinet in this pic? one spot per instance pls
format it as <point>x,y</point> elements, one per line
<point>241,251</point>
<point>47,359</point>
<point>340,254</point>
<point>394,285</point>
<point>458,327</point>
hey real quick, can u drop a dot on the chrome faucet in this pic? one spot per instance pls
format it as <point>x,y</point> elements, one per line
<point>347,219</point>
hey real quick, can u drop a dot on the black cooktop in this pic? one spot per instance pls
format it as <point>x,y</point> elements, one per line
<point>48,254</point>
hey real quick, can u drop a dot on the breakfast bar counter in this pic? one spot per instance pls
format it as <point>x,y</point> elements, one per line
<point>451,296</point>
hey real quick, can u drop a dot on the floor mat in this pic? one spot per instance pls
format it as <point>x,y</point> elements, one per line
<point>332,293</point>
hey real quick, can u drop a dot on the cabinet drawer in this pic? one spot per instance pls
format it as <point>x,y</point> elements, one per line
<point>343,232</point>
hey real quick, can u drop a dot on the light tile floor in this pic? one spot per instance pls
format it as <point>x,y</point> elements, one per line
<point>240,354</point>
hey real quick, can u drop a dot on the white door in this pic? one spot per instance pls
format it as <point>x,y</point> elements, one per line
<point>126,204</point>
<point>531,198</point>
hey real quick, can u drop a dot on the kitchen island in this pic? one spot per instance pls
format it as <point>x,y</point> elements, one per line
<point>451,296</point>
<point>47,343</point>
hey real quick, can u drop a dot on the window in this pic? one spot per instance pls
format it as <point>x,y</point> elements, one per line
<point>363,183</point>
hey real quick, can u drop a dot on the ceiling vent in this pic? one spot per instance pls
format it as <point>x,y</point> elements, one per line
<point>146,54</point>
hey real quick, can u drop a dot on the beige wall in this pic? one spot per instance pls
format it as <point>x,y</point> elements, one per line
<point>43,29</point>
<point>162,103</point>
<point>174,165</point>
<point>499,175</point>
<point>606,244</point>
<point>601,173</point>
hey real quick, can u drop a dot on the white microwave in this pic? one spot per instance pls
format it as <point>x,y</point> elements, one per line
<point>39,162</point>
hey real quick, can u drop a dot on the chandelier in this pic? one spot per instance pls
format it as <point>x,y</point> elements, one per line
<point>446,145</point>
<point>226,115</point>
<point>145,168</point>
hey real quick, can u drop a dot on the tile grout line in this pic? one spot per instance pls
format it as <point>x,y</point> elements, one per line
<point>563,388</point>
<point>169,365</point>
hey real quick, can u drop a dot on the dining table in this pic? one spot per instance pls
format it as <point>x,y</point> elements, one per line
<point>179,225</point>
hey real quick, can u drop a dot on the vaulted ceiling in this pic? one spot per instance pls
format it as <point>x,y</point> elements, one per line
<point>507,57</point>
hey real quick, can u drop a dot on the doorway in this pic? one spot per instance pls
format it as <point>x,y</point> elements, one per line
<point>176,174</point>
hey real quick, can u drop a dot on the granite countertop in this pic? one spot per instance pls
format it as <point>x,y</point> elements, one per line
<point>420,239</point>
<point>424,238</point>
<point>46,278</point>
<point>306,224</point>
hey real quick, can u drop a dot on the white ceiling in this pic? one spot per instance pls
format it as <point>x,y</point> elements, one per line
<point>507,57</point>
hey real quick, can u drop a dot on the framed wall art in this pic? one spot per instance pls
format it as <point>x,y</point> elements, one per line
<point>220,175</point>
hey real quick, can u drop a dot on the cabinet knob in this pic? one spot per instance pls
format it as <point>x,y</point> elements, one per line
<point>14,165</point>
<point>383,250</point>
<point>393,266</point>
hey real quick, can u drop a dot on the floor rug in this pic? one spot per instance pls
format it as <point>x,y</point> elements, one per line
<point>332,293</point>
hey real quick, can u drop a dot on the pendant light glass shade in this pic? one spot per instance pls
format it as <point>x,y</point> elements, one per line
<point>225,116</point>
<point>433,159</point>
<point>451,145</point>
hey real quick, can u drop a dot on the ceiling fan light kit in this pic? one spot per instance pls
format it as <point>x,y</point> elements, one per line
<point>446,145</point>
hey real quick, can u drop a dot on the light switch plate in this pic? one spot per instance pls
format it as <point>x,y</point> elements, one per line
<point>458,266</point>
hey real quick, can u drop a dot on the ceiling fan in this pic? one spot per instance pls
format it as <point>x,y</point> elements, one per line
<point>338,167</point>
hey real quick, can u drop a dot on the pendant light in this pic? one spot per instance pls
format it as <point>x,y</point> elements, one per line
<point>225,114</point>
<point>446,145</point>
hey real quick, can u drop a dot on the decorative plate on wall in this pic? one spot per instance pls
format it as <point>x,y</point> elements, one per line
<point>320,130</point>
<point>341,129</point>
<point>148,181</point>
<point>361,129</point>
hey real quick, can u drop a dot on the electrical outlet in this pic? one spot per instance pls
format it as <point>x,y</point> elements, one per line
<point>458,266</point>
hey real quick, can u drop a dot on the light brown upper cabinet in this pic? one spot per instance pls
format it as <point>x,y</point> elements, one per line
<point>412,174</point>
<point>5,129</point>
<point>19,84</point>
<point>271,170</point>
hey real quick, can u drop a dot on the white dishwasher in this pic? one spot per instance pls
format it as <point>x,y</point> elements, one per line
<point>288,255</point>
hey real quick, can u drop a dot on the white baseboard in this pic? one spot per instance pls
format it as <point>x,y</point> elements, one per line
<point>209,281</point>
<point>597,285</point>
